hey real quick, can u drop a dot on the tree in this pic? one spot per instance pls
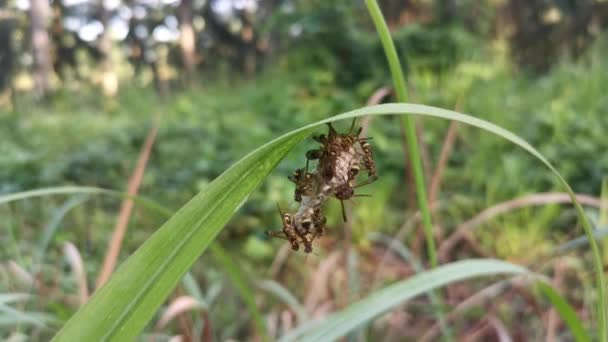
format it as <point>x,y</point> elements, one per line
<point>108,78</point>
<point>186,39</point>
<point>39,18</point>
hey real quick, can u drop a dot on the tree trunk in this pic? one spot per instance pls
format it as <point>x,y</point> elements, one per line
<point>109,80</point>
<point>8,22</point>
<point>187,40</point>
<point>41,46</point>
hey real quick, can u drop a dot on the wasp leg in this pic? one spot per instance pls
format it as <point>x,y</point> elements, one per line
<point>332,133</point>
<point>282,235</point>
<point>319,231</point>
<point>307,241</point>
<point>314,154</point>
<point>276,234</point>
<point>343,211</point>
<point>352,127</point>
<point>321,138</point>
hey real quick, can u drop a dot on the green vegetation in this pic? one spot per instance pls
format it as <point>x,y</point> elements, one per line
<point>201,162</point>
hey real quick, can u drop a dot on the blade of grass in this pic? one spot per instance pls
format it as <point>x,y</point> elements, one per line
<point>397,246</point>
<point>286,296</point>
<point>241,285</point>
<point>412,145</point>
<point>338,324</point>
<point>51,228</point>
<point>565,311</point>
<point>408,123</point>
<point>599,233</point>
<point>123,306</point>
<point>70,190</point>
<point>192,288</point>
<point>10,317</point>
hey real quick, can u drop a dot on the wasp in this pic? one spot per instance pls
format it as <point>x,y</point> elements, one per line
<point>368,160</point>
<point>289,230</point>
<point>346,190</point>
<point>327,154</point>
<point>334,145</point>
<point>314,224</point>
<point>305,183</point>
<point>291,233</point>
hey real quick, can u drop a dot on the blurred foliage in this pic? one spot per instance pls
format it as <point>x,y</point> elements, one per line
<point>204,129</point>
<point>324,60</point>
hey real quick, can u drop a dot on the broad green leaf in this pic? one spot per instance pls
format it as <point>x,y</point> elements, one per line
<point>566,312</point>
<point>122,307</point>
<point>338,324</point>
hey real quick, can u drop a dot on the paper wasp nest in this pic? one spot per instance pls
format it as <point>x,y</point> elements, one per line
<point>338,164</point>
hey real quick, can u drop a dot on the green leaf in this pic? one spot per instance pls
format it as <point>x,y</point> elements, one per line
<point>338,324</point>
<point>565,311</point>
<point>121,308</point>
<point>131,297</point>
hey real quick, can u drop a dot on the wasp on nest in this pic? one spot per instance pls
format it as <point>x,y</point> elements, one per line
<point>339,159</point>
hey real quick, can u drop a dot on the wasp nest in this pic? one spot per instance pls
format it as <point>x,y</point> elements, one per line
<point>339,159</point>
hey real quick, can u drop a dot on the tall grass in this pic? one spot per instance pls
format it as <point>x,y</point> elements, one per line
<point>412,145</point>
<point>122,307</point>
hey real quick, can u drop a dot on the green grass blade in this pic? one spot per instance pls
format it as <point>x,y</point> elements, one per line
<point>51,228</point>
<point>338,324</point>
<point>11,317</point>
<point>121,308</point>
<point>60,190</point>
<point>133,294</point>
<point>582,241</point>
<point>409,126</point>
<point>412,146</point>
<point>565,311</point>
<point>282,293</point>
<point>242,286</point>
<point>191,286</point>
<point>71,190</point>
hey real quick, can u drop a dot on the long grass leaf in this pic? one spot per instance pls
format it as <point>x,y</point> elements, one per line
<point>565,311</point>
<point>338,324</point>
<point>71,190</point>
<point>281,292</point>
<point>121,308</point>
<point>51,227</point>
